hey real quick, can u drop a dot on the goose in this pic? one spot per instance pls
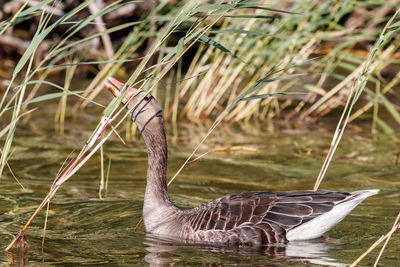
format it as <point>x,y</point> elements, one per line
<point>242,219</point>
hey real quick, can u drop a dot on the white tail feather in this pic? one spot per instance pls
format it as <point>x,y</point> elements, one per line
<point>321,224</point>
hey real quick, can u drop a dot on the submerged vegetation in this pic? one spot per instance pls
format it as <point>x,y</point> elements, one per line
<point>203,60</point>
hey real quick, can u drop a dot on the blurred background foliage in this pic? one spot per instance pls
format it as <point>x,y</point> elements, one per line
<point>240,42</point>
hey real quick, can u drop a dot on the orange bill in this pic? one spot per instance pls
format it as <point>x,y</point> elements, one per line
<point>115,86</point>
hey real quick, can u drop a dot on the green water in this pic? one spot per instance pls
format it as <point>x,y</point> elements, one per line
<point>85,230</point>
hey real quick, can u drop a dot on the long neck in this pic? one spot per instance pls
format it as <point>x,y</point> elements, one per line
<point>156,196</point>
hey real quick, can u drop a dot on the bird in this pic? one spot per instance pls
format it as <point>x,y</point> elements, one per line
<point>241,219</point>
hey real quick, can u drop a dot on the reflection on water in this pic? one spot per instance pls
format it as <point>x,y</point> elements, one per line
<point>85,230</point>
<point>19,253</point>
<point>18,257</point>
<point>160,253</point>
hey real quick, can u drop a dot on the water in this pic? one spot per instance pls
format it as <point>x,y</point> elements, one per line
<point>85,230</point>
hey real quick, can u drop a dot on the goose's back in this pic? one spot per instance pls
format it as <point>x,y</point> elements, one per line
<point>256,218</point>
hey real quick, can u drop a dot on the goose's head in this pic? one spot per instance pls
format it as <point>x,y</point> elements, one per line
<point>145,110</point>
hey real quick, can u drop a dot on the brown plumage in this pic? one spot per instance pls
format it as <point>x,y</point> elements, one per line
<point>257,218</point>
<point>251,218</point>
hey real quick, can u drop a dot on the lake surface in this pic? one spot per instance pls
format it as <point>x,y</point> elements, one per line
<point>83,229</point>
